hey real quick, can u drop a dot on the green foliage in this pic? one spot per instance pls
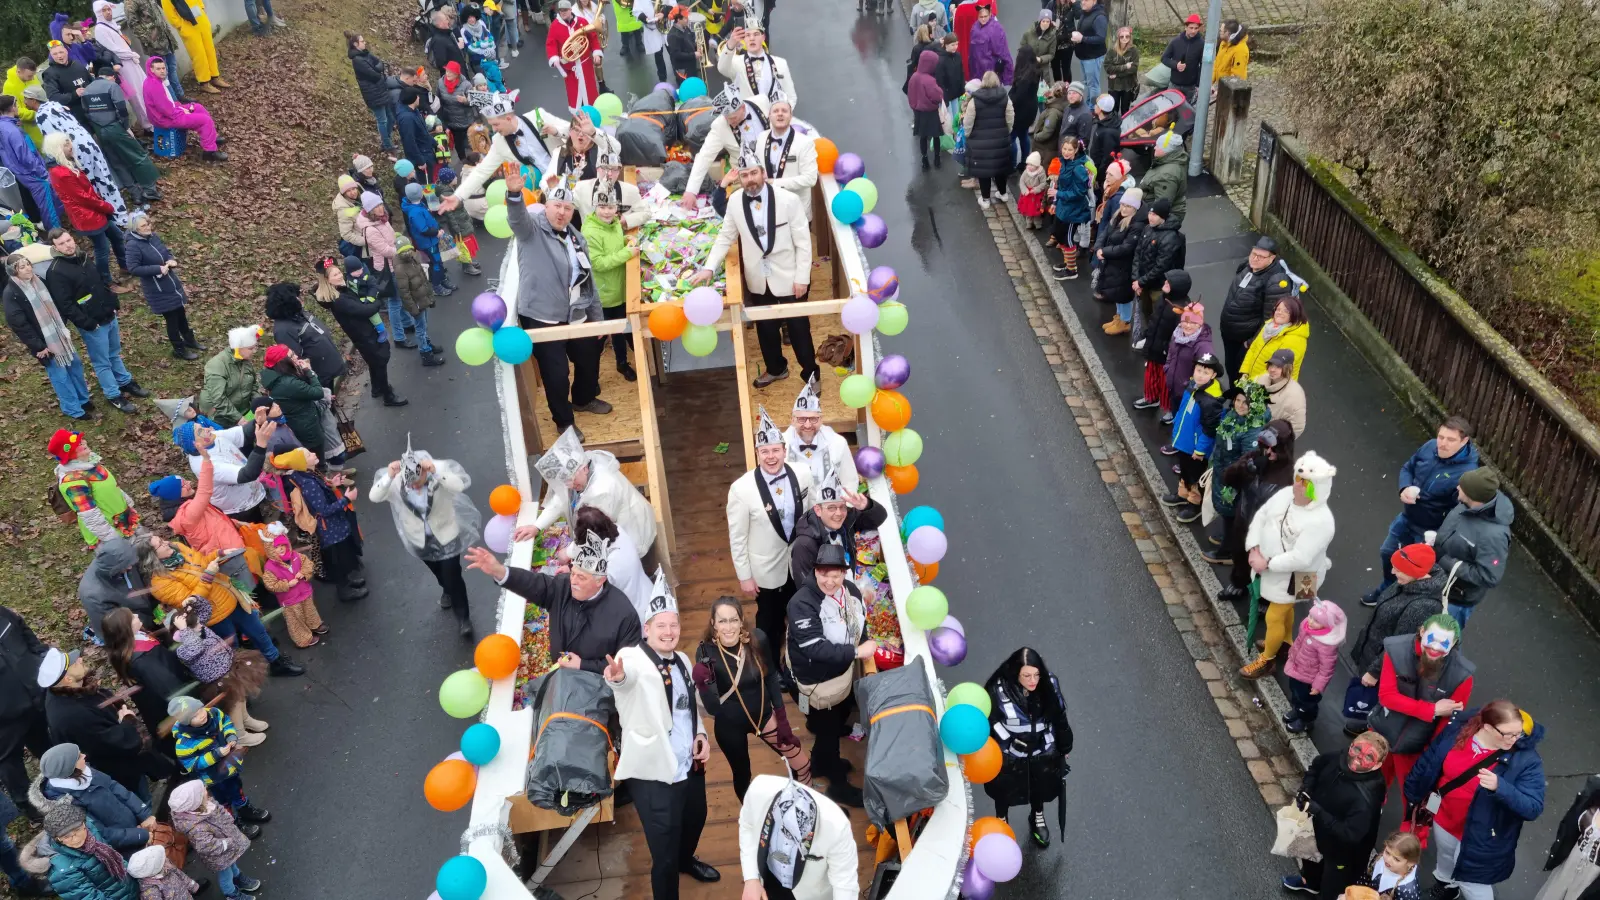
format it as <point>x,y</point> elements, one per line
<point>25,26</point>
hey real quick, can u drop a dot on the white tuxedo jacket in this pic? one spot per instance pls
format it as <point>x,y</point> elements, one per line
<point>646,717</point>
<point>799,169</point>
<point>760,550</point>
<point>473,181</point>
<point>610,492</point>
<point>730,63</point>
<point>787,265</point>
<point>724,138</point>
<point>830,872</point>
<point>838,454</point>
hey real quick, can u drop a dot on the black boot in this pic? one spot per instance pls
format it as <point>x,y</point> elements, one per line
<point>197,344</point>
<point>843,792</point>
<point>253,814</point>
<point>283,665</point>
<point>393,398</point>
<point>215,156</point>
<point>182,352</point>
<point>628,374</point>
<point>1040,831</point>
<point>133,389</point>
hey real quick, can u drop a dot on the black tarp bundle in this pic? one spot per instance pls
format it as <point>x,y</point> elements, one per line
<point>651,126</point>
<point>905,759</point>
<point>694,121</point>
<point>569,769</point>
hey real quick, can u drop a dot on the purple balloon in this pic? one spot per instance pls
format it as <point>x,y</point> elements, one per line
<point>954,624</point>
<point>663,86</point>
<point>974,884</point>
<point>871,230</point>
<point>860,314</point>
<point>948,646</point>
<point>927,544</point>
<point>489,310</point>
<point>882,284</point>
<point>847,168</point>
<point>893,372</point>
<point>998,857</point>
<point>870,462</point>
<point>497,533</point>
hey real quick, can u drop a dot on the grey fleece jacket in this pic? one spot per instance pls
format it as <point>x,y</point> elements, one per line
<point>544,272</point>
<point>1480,539</point>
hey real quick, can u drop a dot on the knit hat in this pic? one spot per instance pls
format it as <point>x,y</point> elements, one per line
<point>104,69</point>
<point>360,163</point>
<point>60,761</point>
<point>1133,197</point>
<point>63,817</point>
<point>64,444</point>
<point>370,201</point>
<point>1033,158</point>
<point>1169,142</point>
<point>402,242</point>
<point>275,354</point>
<point>1480,485</point>
<point>187,797</point>
<point>414,192</point>
<point>431,121</point>
<point>293,460</point>
<point>169,488</point>
<point>280,534</point>
<point>1077,86</point>
<point>1194,312</point>
<point>183,436</point>
<point>446,175</point>
<point>1282,357</point>
<point>973,86</point>
<point>404,167</point>
<point>183,708</point>
<point>1414,560</point>
<point>149,862</point>
<point>1046,15</point>
<point>346,183</point>
<point>1106,103</point>
<point>1162,207</point>
<point>353,265</point>
<point>1194,19</point>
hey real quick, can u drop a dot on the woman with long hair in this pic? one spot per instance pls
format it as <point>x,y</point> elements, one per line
<point>738,680</point>
<point>87,210</point>
<point>141,660</point>
<point>1024,103</point>
<point>987,119</point>
<point>52,119</point>
<point>1028,716</point>
<point>357,312</point>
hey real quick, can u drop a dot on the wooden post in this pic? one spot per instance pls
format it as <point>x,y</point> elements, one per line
<point>1225,156</point>
<point>528,394</point>
<point>650,436</point>
<point>1266,166</point>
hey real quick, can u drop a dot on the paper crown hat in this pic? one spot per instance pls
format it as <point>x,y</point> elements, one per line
<point>778,95</point>
<point>661,599</point>
<point>810,399</point>
<point>590,556</point>
<point>410,462</point>
<point>767,432</point>
<point>563,189</point>
<point>173,409</point>
<point>750,157</point>
<point>831,489</point>
<point>560,464</point>
<point>727,101</point>
<point>491,105</point>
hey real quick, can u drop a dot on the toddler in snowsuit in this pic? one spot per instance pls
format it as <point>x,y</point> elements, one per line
<point>442,148</point>
<point>158,878</point>
<point>1031,202</point>
<point>288,576</point>
<point>215,837</point>
<point>610,248</point>
<point>416,294</point>
<point>1312,658</point>
<point>459,224</point>
<point>424,230</point>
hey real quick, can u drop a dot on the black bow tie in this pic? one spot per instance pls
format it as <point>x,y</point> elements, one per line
<point>808,446</point>
<point>776,479</point>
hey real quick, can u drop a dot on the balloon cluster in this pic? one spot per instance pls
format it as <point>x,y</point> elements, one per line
<point>693,318</point>
<point>605,111</point>
<point>495,218</point>
<point>449,786</point>
<point>996,856</point>
<point>857,196</point>
<point>506,501</point>
<point>492,339</point>
<point>897,459</point>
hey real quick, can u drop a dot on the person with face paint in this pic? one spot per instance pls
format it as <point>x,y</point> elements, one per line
<point>1343,791</point>
<point>1425,681</point>
<point>1287,548</point>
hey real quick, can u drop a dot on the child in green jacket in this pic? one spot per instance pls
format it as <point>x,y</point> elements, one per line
<point>610,248</point>
<point>416,294</point>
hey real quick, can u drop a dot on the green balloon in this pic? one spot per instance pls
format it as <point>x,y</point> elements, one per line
<point>496,194</point>
<point>970,693</point>
<point>893,318</point>
<point>903,448</point>
<point>464,694</point>
<point>700,340</point>
<point>609,105</point>
<point>497,223</point>
<point>475,346</point>
<point>927,607</point>
<point>856,391</point>
<point>868,192</point>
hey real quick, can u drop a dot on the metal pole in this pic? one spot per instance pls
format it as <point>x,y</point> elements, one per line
<point>1203,92</point>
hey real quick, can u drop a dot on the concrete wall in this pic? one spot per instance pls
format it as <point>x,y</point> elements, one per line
<point>225,16</point>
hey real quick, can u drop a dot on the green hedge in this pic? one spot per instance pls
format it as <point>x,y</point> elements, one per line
<point>25,26</point>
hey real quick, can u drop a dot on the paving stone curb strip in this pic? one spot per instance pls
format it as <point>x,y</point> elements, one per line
<point>1209,629</point>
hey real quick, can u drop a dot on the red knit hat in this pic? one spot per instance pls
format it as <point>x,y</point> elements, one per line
<point>1413,560</point>
<point>275,354</point>
<point>64,444</point>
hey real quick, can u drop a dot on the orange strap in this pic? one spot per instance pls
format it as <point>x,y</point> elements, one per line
<point>910,707</point>
<point>568,715</point>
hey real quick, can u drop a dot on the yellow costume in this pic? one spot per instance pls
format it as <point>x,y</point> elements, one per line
<point>1232,59</point>
<point>14,86</point>
<point>196,37</point>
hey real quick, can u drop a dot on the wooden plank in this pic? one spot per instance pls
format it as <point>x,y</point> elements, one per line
<point>526,817</point>
<point>579,330</point>
<point>902,837</point>
<point>741,374</point>
<point>650,438</point>
<point>633,276</point>
<point>806,308</point>
<point>528,392</point>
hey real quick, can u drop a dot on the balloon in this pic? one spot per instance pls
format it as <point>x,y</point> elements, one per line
<point>505,500</point>
<point>450,784</point>
<point>926,575</point>
<point>847,168</point>
<point>495,221</point>
<point>827,154</point>
<point>903,448</point>
<point>948,647</point>
<point>846,207</point>
<point>859,315</point>
<point>893,372</point>
<point>882,284</point>
<point>464,693</point>
<point>513,346</point>
<point>481,742</point>
<point>953,623</point>
<point>927,606</point>
<point>699,340</point>
<point>592,113</point>
<point>964,729</point>
<point>703,306</point>
<point>981,768</point>
<point>927,545</point>
<point>869,462</point>
<point>665,86</point>
<point>969,693</point>
<point>893,318</point>
<point>987,825</point>
<point>871,230</point>
<point>497,533</point>
<point>974,884</point>
<point>667,321</point>
<point>489,308</point>
<point>919,516</point>
<point>891,410</point>
<point>497,656</point>
<point>998,857</point>
<point>902,479</point>
<point>867,190</point>
<point>691,88</point>
<point>458,755</point>
<point>856,391</point>
<point>475,346</point>
<point>609,106</point>
<point>461,878</point>
<point>495,194</point>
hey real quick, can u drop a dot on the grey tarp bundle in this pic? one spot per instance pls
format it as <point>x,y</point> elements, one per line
<point>905,759</point>
<point>694,120</point>
<point>661,102</point>
<point>569,770</point>
<point>650,128</point>
<point>675,177</point>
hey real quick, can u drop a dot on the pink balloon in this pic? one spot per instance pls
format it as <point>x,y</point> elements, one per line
<point>860,314</point>
<point>497,533</point>
<point>703,306</point>
<point>997,857</point>
<point>954,624</point>
<point>927,544</point>
<point>870,462</point>
<point>974,884</point>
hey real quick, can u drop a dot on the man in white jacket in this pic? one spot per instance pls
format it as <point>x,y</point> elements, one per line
<point>1288,547</point>
<point>790,155</point>
<point>578,477</point>
<point>743,60</point>
<point>664,745</point>
<point>521,140</point>
<point>817,445</point>
<point>795,844</point>
<point>736,123</point>
<point>634,208</point>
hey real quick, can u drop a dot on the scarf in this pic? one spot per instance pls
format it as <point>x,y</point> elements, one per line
<point>1179,336</point>
<point>56,338</point>
<point>764,241</point>
<point>111,859</point>
<point>788,832</point>
<point>1271,330</point>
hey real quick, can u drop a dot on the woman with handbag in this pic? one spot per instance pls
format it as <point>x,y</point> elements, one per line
<point>827,626</point>
<point>1574,860</point>
<point>1343,791</point>
<point>1471,790</point>
<point>1028,715</point>
<point>738,680</point>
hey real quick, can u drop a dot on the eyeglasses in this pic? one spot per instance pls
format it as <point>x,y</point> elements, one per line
<point>1508,734</point>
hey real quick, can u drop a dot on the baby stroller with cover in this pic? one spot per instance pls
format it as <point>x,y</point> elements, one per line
<point>1151,117</point>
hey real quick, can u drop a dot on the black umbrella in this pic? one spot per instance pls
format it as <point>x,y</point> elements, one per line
<point>1061,803</point>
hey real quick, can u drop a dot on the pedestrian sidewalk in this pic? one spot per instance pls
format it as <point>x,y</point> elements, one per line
<point>1528,642</point>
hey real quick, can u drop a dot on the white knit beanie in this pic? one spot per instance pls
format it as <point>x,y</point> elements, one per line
<point>148,863</point>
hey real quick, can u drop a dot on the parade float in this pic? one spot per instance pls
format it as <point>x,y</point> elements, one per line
<point>686,426</point>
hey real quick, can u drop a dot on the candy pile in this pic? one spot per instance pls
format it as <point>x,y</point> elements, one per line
<point>671,251</point>
<point>536,622</point>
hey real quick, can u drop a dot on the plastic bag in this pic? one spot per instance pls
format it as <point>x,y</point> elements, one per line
<point>1296,838</point>
<point>905,771</point>
<point>570,766</point>
<point>674,177</point>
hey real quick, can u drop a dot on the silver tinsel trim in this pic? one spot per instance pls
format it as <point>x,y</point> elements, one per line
<point>508,845</point>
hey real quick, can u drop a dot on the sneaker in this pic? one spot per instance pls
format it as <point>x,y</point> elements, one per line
<point>1298,726</point>
<point>240,896</point>
<point>1145,403</point>
<point>515,53</point>
<point>1166,418</point>
<point>283,665</point>
<point>133,389</point>
<point>596,406</point>
<point>250,831</point>
<point>444,600</point>
<point>1003,197</point>
<point>247,884</point>
<point>627,372</point>
<point>1297,883</point>
<point>123,404</point>
<point>440,292</point>
<point>436,358</point>
<point>766,378</point>
<point>278,21</point>
<point>1370,599</point>
<point>1188,513</point>
<point>1215,557</point>
<point>184,353</point>
<point>1068,275</point>
<point>1139,344</point>
<point>1167,450</point>
<point>1444,890</point>
<point>1039,831</point>
<point>1173,498</point>
<point>408,343</point>
<point>983,203</point>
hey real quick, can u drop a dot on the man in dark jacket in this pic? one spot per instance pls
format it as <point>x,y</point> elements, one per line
<point>298,330</point>
<point>105,106</point>
<point>823,643</point>
<point>836,518</point>
<point>948,72</point>
<point>1077,118</point>
<point>1183,56</point>
<point>373,81</point>
<point>354,308</point>
<point>443,44</point>
<point>22,722</point>
<point>1105,141</point>
<point>414,138</point>
<point>682,46</point>
<point>113,580</point>
<point>1475,540</point>
<point>85,302</point>
<point>1343,791</point>
<point>65,80</point>
<point>1245,309</point>
<point>590,618</point>
<point>1163,249</point>
<point>1089,45</point>
<point>1427,486</point>
<point>1402,608</point>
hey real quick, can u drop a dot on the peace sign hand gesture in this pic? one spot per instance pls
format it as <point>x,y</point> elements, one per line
<point>614,672</point>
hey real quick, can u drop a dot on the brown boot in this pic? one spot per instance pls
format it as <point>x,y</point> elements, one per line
<point>209,88</point>
<point>1118,326</point>
<point>219,82</point>
<point>1195,496</point>
<point>1262,666</point>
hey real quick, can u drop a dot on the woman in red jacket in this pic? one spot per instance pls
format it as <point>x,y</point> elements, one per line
<point>87,211</point>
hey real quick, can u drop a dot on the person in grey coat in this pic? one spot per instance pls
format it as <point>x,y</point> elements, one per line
<point>555,286</point>
<point>114,580</point>
<point>1477,536</point>
<point>123,819</point>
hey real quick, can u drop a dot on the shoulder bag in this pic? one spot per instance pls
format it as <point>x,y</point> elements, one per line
<point>1303,585</point>
<point>353,445</point>
<point>1419,818</point>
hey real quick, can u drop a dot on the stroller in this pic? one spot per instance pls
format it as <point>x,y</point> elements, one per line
<point>1149,118</point>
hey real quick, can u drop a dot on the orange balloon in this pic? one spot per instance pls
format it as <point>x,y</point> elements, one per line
<point>989,825</point>
<point>667,321</point>
<point>902,479</point>
<point>827,155</point>
<point>983,766</point>
<point>926,572</point>
<point>505,500</point>
<point>497,656</point>
<point>891,410</point>
<point>450,784</point>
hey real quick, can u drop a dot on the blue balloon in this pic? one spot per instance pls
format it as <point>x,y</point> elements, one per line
<point>592,113</point>
<point>920,516</point>
<point>480,743</point>
<point>461,878</point>
<point>513,346</point>
<point>964,729</point>
<point>690,89</point>
<point>847,207</point>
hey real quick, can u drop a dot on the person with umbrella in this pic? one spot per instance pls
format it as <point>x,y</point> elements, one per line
<point>1028,716</point>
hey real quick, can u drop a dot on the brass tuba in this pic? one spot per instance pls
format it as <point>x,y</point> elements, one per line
<point>576,46</point>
